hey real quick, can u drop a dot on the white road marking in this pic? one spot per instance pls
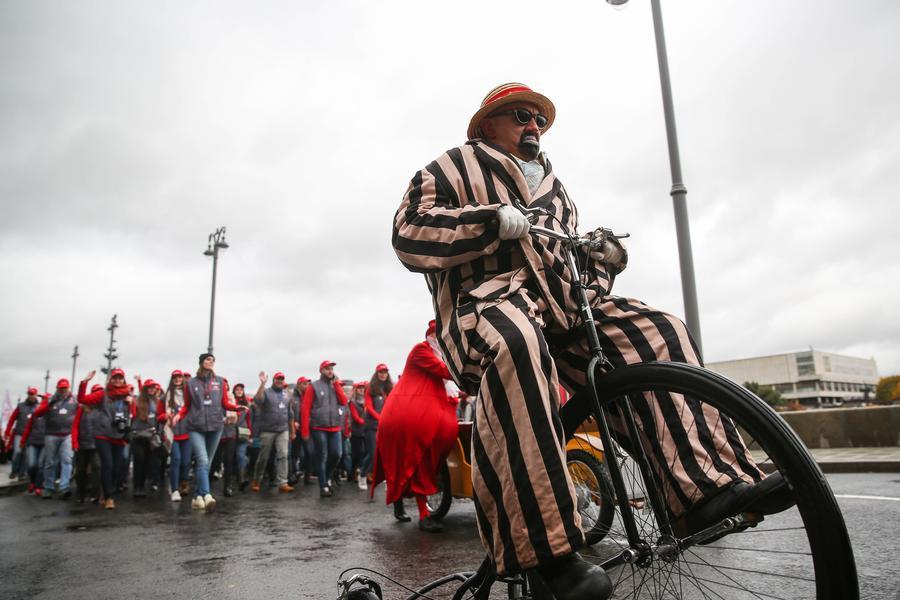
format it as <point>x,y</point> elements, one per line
<point>856,497</point>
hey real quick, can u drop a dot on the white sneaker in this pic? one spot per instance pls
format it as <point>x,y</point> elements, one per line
<point>198,503</point>
<point>176,496</point>
<point>209,501</point>
<point>362,483</point>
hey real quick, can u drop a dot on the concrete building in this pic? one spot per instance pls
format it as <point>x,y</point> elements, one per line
<point>811,377</point>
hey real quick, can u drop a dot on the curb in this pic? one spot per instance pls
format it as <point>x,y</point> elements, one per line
<point>861,466</point>
<point>10,489</point>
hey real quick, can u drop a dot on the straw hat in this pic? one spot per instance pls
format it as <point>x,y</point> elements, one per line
<point>508,93</point>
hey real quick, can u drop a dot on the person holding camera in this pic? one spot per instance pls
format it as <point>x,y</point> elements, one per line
<point>111,426</point>
<point>145,437</point>
<point>205,402</point>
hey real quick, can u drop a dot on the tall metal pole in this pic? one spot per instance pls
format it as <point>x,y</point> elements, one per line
<point>111,351</point>
<point>46,380</point>
<point>216,242</point>
<point>679,191</point>
<point>212,301</point>
<point>75,356</point>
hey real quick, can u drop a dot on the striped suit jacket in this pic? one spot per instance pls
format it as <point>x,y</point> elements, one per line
<point>446,228</point>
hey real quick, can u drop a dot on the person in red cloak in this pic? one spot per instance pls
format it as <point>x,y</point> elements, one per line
<point>417,429</point>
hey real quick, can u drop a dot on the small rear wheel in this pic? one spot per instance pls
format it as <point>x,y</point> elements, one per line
<point>593,490</point>
<point>439,502</point>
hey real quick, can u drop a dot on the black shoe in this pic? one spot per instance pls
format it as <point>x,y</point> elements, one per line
<point>140,493</point>
<point>570,578</point>
<point>66,495</point>
<point>400,512</point>
<point>307,480</point>
<point>431,525</point>
<point>325,492</point>
<point>47,495</point>
<point>229,492</point>
<point>243,485</point>
<point>769,496</point>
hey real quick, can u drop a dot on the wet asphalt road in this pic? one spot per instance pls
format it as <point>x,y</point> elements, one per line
<point>295,546</point>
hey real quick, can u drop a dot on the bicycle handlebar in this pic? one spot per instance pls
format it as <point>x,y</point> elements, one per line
<point>589,243</point>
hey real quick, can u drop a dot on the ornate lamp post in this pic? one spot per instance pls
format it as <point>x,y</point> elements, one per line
<point>216,242</point>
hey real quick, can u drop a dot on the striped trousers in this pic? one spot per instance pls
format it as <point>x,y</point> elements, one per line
<point>525,501</point>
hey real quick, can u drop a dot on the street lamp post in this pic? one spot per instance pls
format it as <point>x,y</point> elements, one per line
<point>678,191</point>
<point>46,381</point>
<point>216,242</point>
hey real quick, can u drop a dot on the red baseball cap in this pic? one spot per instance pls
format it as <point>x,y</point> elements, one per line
<point>360,384</point>
<point>62,383</point>
<point>302,380</point>
<point>96,388</point>
<point>115,372</point>
<point>381,367</point>
<point>327,363</point>
<point>278,375</point>
<point>177,372</point>
<point>32,390</point>
<point>150,383</point>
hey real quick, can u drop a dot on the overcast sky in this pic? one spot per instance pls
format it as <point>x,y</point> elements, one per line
<point>129,131</point>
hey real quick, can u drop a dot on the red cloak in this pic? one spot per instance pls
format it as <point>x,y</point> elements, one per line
<point>417,428</point>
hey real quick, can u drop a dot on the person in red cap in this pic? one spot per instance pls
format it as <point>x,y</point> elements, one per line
<point>15,428</point>
<point>113,407</point>
<point>357,405</point>
<point>87,463</point>
<point>274,423</point>
<point>299,456</point>
<point>377,392</point>
<point>146,414</point>
<point>499,295</point>
<point>59,413</point>
<point>205,401</point>
<point>322,418</point>
<point>177,438</point>
<point>416,431</point>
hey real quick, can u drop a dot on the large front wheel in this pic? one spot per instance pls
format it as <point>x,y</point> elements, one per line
<point>803,552</point>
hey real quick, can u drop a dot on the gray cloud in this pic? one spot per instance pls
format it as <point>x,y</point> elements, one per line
<point>130,131</point>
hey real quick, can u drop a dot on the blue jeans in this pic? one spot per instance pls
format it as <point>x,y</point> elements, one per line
<point>370,453</point>
<point>58,448</point>
<point>204,444</point>
<point>328,452</point>
<point>179,463</point>
<point>112,456</point>
<point>34,463</point>
<point>18,459</point>
<point>241,455</point>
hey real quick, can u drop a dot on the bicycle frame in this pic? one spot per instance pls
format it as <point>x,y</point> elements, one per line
<point>638,548</point>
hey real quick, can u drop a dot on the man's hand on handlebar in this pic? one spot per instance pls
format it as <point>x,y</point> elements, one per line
<point>513,224</point>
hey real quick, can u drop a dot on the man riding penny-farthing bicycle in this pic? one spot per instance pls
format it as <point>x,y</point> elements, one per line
<point>507,300</point>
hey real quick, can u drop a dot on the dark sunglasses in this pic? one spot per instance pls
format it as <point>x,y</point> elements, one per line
<point>524,116</point>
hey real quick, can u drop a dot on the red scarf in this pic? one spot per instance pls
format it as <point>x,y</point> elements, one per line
<point>116,390</point>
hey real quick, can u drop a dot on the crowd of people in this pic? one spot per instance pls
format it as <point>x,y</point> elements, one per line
<point>179,437</point>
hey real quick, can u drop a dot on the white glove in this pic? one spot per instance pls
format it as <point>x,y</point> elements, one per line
<point>611,253</point>
<point>451,389</point>
<point>513,224</point>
